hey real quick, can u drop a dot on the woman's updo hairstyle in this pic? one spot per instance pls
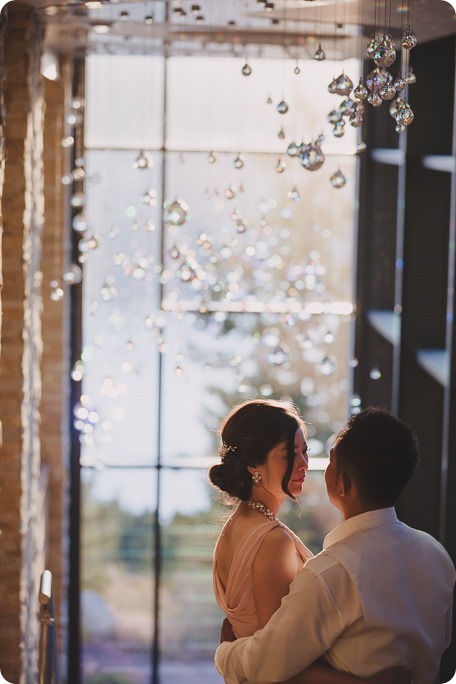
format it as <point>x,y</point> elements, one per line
<point>248,434</point>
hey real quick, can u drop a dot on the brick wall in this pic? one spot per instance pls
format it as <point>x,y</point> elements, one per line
<point>33,371</point>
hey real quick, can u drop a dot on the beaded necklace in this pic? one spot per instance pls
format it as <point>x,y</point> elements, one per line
<point>261,508</point>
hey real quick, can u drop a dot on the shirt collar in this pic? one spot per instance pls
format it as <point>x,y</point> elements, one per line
<point>359,522</point>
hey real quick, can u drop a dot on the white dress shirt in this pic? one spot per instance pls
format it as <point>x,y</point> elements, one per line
<point>378,595</point>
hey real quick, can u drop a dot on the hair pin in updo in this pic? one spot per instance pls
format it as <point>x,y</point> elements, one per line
<point>224,449</point>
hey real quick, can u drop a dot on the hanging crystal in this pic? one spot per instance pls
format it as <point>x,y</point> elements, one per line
<point>281,134</point>
<point>280,166</point>
<point>230,192</point>
<point>238,163</point>
<point>410,77</point>
<point>333,116</point>
<point>282,107</point>
<point>338,179</point>
<point>269,100</point>
<point>327,366</point>
<point>385,53</point>
<point>346,107</point>
<point>370,50</point>
<point>376,80</point>
<point>297,70</point>
<point>344,85</point>
<point>246,70</point>
<point>294,194</point>
<point>339,129</point>
<point>294,149</point>
<point>74,275</point>
<point>56,294</point>
<point>399,84</point>
<point>409,39</point>
<point>375,373</point>
<point>374,99</point>
<point>143,161</point>
<point>405,116</point>
<point>176,213</point>
<point>211,157</point>
<point>150,197</point>
<point>360,92</point>
<point>319,55</point>
<point>356,120</point>
<point>80,222</point>
<point>312,157</point>
<point>332,87</point>
<point>387,92</point>
<point>396,105</point>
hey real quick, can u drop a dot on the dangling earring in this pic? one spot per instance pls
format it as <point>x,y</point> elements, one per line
<point>256,477</point>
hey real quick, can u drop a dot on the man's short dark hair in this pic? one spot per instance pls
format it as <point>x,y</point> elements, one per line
<point>380,452</point>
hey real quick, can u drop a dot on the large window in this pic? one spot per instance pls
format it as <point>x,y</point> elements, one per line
<point>211,275</point>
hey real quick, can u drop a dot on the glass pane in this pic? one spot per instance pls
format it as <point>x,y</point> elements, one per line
<point>117,575</point>
<point>213,361</point>
<point>121,295</point>
<point>124,101</point>
<point>211,105</point>
<point>249,238</point>
<point>190,617</point>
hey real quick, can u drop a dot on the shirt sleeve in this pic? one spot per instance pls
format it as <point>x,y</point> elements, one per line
<point>309,620</point>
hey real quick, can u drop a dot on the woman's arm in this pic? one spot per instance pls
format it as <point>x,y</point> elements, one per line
<point>274,568</point>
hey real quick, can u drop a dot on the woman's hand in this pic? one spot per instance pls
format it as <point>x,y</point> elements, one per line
<point>393,675</point>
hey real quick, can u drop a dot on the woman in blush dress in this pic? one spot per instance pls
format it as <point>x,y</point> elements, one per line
<point>264,460</point>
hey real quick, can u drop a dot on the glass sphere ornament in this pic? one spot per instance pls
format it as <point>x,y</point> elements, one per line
<point>339,129</point>
<point>338,179</point>
<point>143,161</point>
<point>211,157</point>
<point>374,99</point>
<point>409,39</point>
<point>246,70</point>
<point>372,46</point>
<point>282,107</point>
<point>312,157</point>
<point>360,92</point>
<point>176,213</point>
<point>280,166</point>
<point>387,92</point>
<point>281,134</point>
<point>344,85</point>
<point>399,84</point>
<point>396,105</point>
<point>238,163</point>
<point>385,52</point>
<point>293,149</point>
<point>376,80</point>
<point>405,115</point>
<point>319,55</point>
<point>410,77</point>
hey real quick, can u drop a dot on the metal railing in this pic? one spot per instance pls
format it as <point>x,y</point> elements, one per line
<point>49,664</point>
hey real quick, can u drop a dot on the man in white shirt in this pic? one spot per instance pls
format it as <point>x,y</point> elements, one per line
<point>379,594</point>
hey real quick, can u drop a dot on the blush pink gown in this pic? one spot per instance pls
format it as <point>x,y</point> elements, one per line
<point>236,601</point>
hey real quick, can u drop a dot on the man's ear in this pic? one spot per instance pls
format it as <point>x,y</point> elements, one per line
<point>344,484</point>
